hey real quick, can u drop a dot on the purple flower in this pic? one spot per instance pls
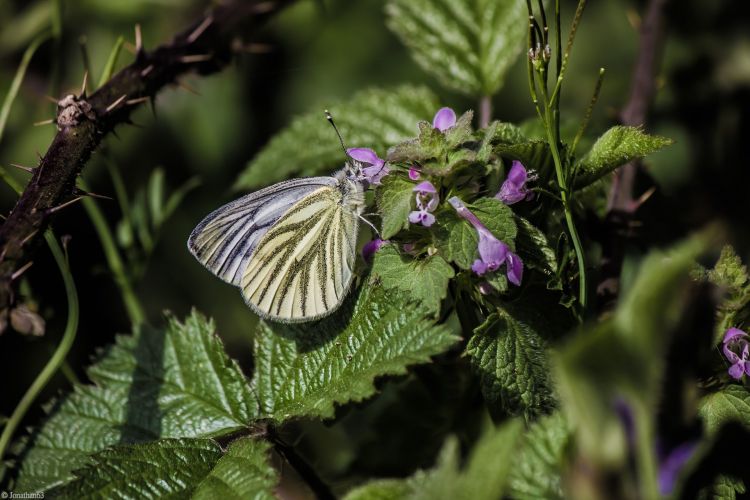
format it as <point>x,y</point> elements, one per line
<point>444,119</point>
<point>737,350</point>
<point>671,465</point>
<point>492,252</point>
<point>413,173</point>
<point>514,189</point>
<point>376,169</point>
<point>372,246</point>
<point>427,202</point>
<point>409,248</point>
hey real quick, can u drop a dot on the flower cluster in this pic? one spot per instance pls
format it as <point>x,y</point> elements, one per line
<point>736,348</point>
<point>492,252</point>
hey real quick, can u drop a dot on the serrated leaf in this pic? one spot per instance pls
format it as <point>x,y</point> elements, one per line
<point>533,154</point>
<point>372,118</point>
<point>468,45</point>
<point>533,247</point>
<point>457,240</point>
<point>307,371</point>
<point>176,468</point>
<point>617,146</point>
<point>730,275</point>
<point>511,359</point>
<point>537,472</point>
<point>484,477</point>
<point>395,199</point>
<point>731,403</point>
<point>424,280</point>
<point>175,382</point>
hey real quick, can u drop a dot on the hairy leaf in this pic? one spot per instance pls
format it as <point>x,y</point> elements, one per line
<point>306,371</point>
<point>468,45</point>
<point>372,118</point>
<point>537,472</point>
<point>731,276</point>
<point>170,383</point>
<point>425,279</point>
<point>616,147</point>
<point>176,468</point>
<point>511,359</point>
<point>395,201</point>
<point>457,240</point>
<point>533,247</point>
<point>731,403</point>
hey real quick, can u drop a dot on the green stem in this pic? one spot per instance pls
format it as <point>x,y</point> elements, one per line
<point>645,456</point>
<point>132,305</point>
<point>60,353</point>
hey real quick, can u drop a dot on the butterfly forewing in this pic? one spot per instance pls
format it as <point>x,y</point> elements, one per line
<point>303,265</point>
<point>224,241</point>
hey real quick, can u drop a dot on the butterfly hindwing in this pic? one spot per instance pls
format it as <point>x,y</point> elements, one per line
<point>224,241</point>
<point>303,265</point>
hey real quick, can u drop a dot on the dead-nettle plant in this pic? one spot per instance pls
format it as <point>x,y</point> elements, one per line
<point>477,264</point>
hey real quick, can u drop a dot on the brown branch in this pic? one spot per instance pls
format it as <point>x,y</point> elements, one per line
<point>204,48</point>
<point>642,92</point>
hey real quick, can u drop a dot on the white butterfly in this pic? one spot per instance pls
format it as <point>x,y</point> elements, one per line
<point>290,247</point>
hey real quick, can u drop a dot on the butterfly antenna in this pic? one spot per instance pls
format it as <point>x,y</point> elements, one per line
<point>333,124</point>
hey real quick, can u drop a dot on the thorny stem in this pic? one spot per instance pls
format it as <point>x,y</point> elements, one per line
<point>53,182</point>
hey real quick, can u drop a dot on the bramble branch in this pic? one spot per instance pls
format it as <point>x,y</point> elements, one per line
<point>82,122</point>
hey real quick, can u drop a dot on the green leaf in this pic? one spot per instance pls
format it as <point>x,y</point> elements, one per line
<point>537,472</point>
<point>306,371</point>
<point>534,249</point>
<point>618,146</point>
<point>170,383</point>
<point>730,275</point>
<point>468,45</point>
<point>731,403</point>
<point>511,359</point>
<point>457,240</point>
<point>424,280</point>
<point>484,477</point>
<point>372,118</point>
<point>394,198</point>
<point>176,468</point>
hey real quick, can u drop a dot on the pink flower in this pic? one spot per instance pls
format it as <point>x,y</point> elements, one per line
<point>444,119</point>
<point>374,168</point>
<point>514,188</point>
<point>427,202</point>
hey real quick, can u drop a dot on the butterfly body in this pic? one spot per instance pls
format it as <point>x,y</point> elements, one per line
<point>290,247</point>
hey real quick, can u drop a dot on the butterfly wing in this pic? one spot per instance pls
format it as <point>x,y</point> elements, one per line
<point>303,266</point>
<point>224,241</point>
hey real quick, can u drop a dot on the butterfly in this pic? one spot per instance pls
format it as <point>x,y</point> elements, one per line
<point>290,247</point>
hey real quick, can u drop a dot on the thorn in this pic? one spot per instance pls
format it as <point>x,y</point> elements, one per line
<point>147,70</point>
<point>251,48</point>
<point>81,193</point>
<point>133,102</point>
<point>52,210</point>
<point>44,122</point>
<point>39,155</point>
<point>84,84</point>
<point>50,98</point>
<point>197,32</point>
<point>195,58</point>
<point>22,270</point>
<point>21,167</point>
<point>116,103</point>
<point>138,39</point>
<point>636,204</point>
<point>129,47</point>
<point>187,87</point>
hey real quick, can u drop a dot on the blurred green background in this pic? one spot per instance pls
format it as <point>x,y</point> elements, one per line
<point>315,53</point>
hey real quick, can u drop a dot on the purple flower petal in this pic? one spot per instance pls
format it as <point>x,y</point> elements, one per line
<point>517,174</point>
<point>733,333</point>
<point>413,173</point>
<point>670,467</point>
<point>425,187</point>
<point>515,268</point>
<point>428,219</point>
<point>409,248</point>
<point>365,155</point>
<point>415,217</point>
<point>444,119</point>
<point>492,251</point>
<point>736,370</point>
<point>479,267</point>
<point>372,246</point>
<point>375,173</point>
